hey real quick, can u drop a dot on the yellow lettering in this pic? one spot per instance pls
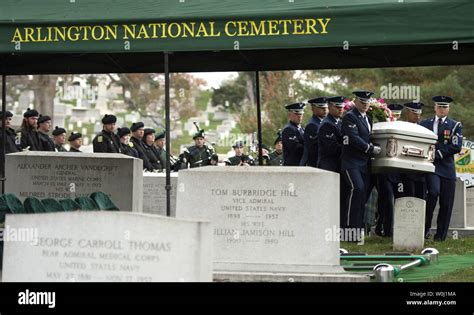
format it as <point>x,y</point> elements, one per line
<point>324,24</point>
<point>101,32</point>
<point>73,37</point>
<point>57,31</point>
<point>110,32</point>
<point>17,36</point>
<point>178,29</point>
<point>257,30</point>
<point>189,29</point>
<point>243,31</point>
<point>272,25</point>
<point>310,24</point>
<point>153,29</point>
<point>211,24</point>
<point>202,29</point>
<point>285,26</point>
<point>298,27</point>
<point>142,32</point>
<point>29,34</point>
<point>85,29</point>
<point>128,31</point>
<point>226,28</point>
<point>38,37</point>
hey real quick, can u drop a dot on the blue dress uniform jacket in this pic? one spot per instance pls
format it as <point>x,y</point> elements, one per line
<point>441,185</point>
<point>310,154</point>
<point>330,144</point>
<point>449,143</point>
<point>357,147</point>
<point>293,144</point>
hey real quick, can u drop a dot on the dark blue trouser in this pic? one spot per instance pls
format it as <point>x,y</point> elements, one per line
<point>388,191</point>
<point>357,184</point>
<point>414,189</point>
<point>444,189</point>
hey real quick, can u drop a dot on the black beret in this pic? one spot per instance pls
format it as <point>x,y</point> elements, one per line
<point>7,114</point>
<point>148,131</point>
<point>122,132</point>
<point>74,136</point>
<point>136,125</point>
<point>43,119</point>
<point>31,113</point>
<point>109,119</point>
<point>58,131</point>
<point>278,138</point>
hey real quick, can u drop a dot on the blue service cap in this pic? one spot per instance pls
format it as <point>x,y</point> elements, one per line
<point>363,96</point>
<point>415,107</point>
<point>396,108</point>
<point>296,108</point>
<point>337,100</point>
<point>442,100</point>
<point>319,102</point>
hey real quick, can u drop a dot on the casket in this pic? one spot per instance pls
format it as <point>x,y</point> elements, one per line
<point>406,148</point>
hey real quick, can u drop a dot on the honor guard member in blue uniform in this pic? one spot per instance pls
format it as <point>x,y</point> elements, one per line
<point>200,154</point>
<point>330,147</point>
<point>355,158</point>
<point>44,127</point>
<point>293,135</point>
<point>75,142</point>
<point>319,107</point>
<point>414,185</point>
<point>107,141</point>
<point>28,134</point>
<point>442,183</point>
<point>240,159</point>
<point>330,136</point>
<point>276,157</point>
<point>388,190</point>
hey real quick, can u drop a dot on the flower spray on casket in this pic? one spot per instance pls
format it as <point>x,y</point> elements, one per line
<point>378,110</point>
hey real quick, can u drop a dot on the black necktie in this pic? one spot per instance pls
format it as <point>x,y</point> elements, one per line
<point>440,124</point>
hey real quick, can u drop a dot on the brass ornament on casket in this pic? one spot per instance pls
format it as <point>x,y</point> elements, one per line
<point>405,148</point>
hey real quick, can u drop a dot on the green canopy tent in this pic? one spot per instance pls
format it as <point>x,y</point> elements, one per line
<point>87,36</point>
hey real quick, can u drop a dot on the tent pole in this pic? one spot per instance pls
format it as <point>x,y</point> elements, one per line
<point>4,133</point>
<point>259,118</point>
<point>167,132</point>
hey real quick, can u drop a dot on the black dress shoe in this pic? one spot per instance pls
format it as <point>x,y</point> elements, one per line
<point>428,236</point>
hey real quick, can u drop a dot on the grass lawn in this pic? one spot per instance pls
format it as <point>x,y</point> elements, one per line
<point>456,258</point>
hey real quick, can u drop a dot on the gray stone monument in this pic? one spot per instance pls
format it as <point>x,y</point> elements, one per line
<point>105,246</point>
<point>154,193</point>
<point>270,224</point>
<point>470,208</point>
<point>409,224</point>
<point>61,175</point>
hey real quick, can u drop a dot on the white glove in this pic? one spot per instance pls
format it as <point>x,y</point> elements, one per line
<point>377,150</point>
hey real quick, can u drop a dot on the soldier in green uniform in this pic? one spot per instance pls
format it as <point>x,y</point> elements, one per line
<point>107,141</point>
<point>276,157</point>
<point>44,127</point>
<point>150,150</point>
<point>240,159</point>
<point>199,154</point>
<point>126,146</point>
<point>160,142</point>
<point>75,142</point>
<point>27,134</point>
<point>59,139</point>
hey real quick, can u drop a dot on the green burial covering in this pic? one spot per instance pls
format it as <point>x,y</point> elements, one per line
<point>69,205</point>
<point>103,201</point>
<point>13,203</point>
<point>87,203</point>
<point>3,209</point>
<point>52,205</point>
<point>34,205</point>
